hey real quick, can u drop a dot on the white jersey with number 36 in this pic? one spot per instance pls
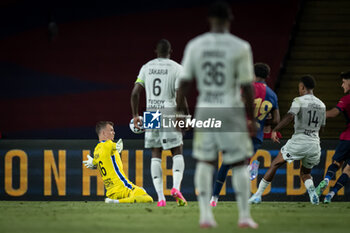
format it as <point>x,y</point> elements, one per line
<point>221,63</point>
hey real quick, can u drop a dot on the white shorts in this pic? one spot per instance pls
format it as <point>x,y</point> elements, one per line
<point>309,152</point>
<point>166,139</point>
<point>235,146</point>
<point>231,138</point>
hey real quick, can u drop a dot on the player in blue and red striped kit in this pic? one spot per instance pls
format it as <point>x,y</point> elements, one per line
<point>265,103</point>
<point>342,152</point>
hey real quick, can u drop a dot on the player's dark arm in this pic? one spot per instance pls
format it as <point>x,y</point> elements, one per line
<point>322,129</point>
<point>248,96</point>
<point>332,113</point>
<point>183,102</point>
<point>275,118</point>
<point>288,118</point>
<point>182,92</point>
<point>135,98</point>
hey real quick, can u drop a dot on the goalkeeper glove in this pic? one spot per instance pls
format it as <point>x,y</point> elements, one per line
<point>119,145</point>
<point>88,163</point>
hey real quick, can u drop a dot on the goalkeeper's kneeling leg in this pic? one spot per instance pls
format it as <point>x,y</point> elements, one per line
<point>141,196</point>
<point>126,196</point>
<point>144,199</point>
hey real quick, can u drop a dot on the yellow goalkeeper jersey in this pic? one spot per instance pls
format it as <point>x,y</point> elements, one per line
<point>108,162</point>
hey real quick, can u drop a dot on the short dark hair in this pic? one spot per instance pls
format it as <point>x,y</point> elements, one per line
<point>261,70</point>
<point>308,81</point>
<point>101,125</point>
<point>345,75</point>
<point>220,10</point>
<point>163,47</point>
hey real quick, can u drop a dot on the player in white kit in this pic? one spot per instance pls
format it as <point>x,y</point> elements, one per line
<point>309,114</point>
<point>222,65</point>
<point>159,78</point>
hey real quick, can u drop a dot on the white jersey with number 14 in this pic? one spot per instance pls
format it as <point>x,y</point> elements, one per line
<point>309,115</point>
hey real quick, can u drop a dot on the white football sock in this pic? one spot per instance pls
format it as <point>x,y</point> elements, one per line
<point>157,177</point>
<point>262,186</point>
<point>331,194</point>
<point>241,184</point>
<point>214,198</point>
<point>203,180</point>
<point>178,170</point>
<point>309,184</point>
<point>108,200</point>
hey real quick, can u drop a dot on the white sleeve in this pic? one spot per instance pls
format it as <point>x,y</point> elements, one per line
<point>141,77</point>
<point>295,108</point>
<point>187,64</point>
<point>245,66</point>
<point>179,71</point>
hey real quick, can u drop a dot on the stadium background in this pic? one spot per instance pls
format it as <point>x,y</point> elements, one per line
<point>59,87</point>
<point>65,65</point>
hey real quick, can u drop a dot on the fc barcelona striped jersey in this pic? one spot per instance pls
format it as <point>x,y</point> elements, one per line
<point>265,101</point>
<point>344,106</point>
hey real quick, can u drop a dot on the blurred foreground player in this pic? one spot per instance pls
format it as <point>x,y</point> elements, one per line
<point>222,65</point>
<point>309,114</point>
<point>159,78</point>
<point>342,152</point>
<point>108,162</point>
<point>265,103</point>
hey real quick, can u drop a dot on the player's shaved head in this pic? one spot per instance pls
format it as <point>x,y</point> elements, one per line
<point>261,70</point>
<point>345,75</point>
<point>101,125</point>
<point>308,81</point>
<point>220,10</point>
<point>163,48</point>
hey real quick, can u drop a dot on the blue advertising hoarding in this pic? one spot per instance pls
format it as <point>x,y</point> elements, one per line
<point>52,170</point>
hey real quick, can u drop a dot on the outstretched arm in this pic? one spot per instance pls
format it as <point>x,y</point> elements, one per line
<point>332,113</point>
<point>275,118</point>
<point>288,118</point>
<point>89,163</point>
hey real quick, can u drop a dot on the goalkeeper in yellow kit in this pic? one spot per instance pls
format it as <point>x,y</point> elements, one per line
<point>107,160</point>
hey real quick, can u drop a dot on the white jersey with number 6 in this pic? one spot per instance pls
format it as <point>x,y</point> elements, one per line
<point>221,63</point>
<point>159,77</point>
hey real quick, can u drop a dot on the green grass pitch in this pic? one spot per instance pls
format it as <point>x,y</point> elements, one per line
<point>86,217</point>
